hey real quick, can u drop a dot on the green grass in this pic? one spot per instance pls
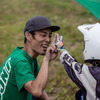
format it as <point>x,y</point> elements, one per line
<point>68,14</point>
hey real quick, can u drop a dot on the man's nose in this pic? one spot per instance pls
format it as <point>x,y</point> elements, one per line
<point>48,39</point>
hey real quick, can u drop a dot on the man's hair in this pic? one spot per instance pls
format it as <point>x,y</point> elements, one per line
<point>32,33</point>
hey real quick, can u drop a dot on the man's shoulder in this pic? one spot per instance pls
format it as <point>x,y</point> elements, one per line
<point>17,55</point>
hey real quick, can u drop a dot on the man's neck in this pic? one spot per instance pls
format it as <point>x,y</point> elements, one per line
<point>30,52</point>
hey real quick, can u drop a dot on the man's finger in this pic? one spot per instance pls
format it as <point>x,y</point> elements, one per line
<point>53,46</point>
<point>52,49</point>
<point>54,39</point>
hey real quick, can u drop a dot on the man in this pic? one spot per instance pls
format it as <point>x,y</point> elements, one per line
<point>20,76</point>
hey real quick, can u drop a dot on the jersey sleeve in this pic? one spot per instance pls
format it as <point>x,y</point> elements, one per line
<point>23,73</point>
<point>84,76</point>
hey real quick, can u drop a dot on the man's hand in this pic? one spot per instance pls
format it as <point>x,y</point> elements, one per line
<point>52,52</point>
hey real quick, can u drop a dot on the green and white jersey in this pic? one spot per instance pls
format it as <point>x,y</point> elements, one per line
<point>18,69</point>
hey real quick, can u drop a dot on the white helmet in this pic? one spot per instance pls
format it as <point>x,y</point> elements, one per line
<point>91,34</point>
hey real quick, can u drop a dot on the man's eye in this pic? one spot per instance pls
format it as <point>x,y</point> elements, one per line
<point>43,35</point>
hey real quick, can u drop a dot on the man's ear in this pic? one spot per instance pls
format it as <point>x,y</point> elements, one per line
<point>28,36</point>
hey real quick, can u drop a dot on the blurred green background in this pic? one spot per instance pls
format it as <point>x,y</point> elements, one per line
<point>68,14</point>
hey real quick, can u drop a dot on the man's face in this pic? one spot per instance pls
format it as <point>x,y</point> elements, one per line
<point>41,41</point>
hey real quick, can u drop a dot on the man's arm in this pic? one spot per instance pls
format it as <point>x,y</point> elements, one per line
<point>37,86</point>
<point>44,96</point>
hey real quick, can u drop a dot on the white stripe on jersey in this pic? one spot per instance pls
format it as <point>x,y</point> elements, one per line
<point>87,80</point>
